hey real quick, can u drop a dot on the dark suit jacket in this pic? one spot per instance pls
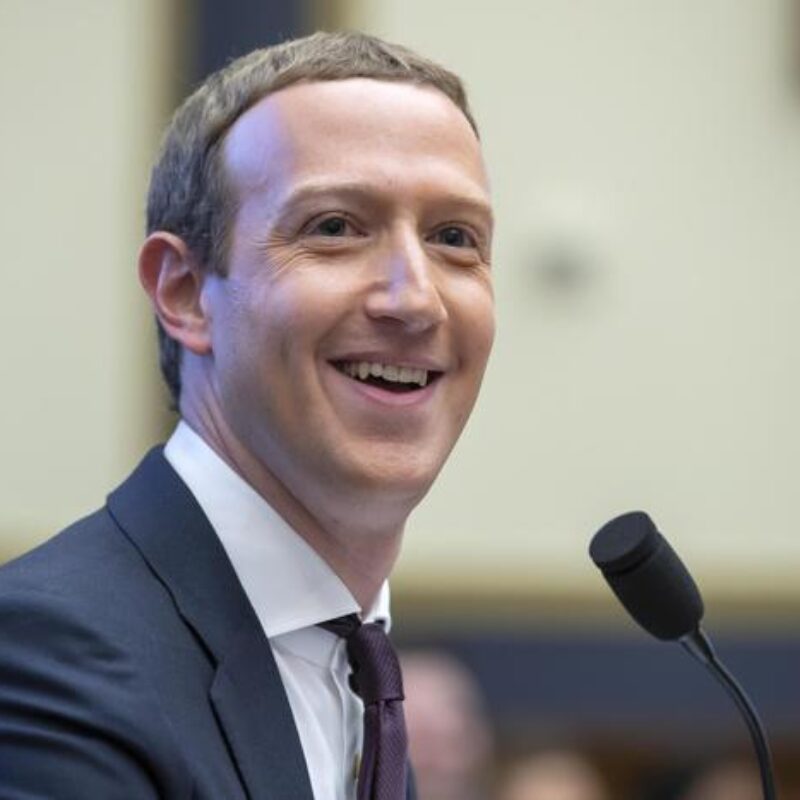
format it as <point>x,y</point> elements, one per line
<point>133,666</point>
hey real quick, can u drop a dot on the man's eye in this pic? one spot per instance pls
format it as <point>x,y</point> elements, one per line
<point>332,226</point>
<point>453,236</point>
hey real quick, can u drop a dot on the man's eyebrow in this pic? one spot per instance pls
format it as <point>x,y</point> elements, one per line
<point>357,190</point>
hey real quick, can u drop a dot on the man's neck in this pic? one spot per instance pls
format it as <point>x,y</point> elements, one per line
<point>361,552</point>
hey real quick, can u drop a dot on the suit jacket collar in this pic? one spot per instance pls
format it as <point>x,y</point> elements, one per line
<point>289,585</point>
<point>158,513</point>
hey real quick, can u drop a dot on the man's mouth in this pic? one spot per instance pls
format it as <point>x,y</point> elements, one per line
<point>392,377</point>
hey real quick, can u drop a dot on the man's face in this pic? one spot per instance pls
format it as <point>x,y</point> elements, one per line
<point>351,333</point>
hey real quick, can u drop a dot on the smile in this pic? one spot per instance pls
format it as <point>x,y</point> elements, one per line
<point>393,377</point>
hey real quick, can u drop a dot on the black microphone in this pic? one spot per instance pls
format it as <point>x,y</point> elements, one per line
<point>655,587</point>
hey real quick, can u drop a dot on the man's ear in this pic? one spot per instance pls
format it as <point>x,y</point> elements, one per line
<point>173,280</point>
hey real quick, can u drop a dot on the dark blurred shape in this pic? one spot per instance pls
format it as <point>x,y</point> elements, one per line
<point>450,737</point>
<point>723,778</point>
<point>226,29</point>
<point>554,775</point>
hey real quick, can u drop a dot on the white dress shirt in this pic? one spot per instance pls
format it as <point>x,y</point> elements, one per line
<point>291,589</point>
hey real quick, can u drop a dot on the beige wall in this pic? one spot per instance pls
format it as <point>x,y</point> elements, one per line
<point>83,96</point>
<point>658,146</point>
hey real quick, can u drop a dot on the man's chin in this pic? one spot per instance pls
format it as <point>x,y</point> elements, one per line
<point>389,470</point>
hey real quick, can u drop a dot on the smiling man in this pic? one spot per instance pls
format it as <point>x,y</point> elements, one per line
<point>318,251</point>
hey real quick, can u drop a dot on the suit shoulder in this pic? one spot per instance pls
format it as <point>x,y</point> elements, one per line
<point>88,531</point>
<point>88,591</point>
<point>85,561</point>
<point>73,694</point>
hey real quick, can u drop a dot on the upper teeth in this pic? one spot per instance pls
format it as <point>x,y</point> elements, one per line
<point>389,372</point>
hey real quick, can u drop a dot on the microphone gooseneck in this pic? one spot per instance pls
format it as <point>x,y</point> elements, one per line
<point>656,589</point>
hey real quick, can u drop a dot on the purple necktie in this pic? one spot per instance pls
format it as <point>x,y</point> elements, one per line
<point>377,681</point>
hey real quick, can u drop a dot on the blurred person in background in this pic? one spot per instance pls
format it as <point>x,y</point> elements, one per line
<point>450,735</point>
<point>318,260</point>
<point>553,775</point>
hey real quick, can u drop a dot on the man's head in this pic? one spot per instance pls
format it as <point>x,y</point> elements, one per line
<point>331,291</point>
<point>449,732</point>
<point>190,195</point>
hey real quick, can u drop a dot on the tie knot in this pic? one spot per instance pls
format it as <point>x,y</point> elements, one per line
<point>376,670</point>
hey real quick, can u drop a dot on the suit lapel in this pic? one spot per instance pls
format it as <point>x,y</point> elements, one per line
<point>158,513</point>
<point>247,692</point>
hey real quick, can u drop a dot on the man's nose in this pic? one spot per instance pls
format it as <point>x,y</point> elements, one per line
<point>407,290</point>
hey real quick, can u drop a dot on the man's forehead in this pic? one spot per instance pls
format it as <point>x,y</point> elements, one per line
<point>314,124</point>
<point>256,139</point>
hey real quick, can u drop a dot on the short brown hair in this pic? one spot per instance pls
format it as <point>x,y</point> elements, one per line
<point>188,194</point>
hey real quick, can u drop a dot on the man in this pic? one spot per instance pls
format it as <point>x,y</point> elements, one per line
<point>318,262</point>
<point>450,733</point>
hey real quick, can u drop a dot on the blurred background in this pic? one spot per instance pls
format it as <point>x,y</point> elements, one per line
<point>645,159</point>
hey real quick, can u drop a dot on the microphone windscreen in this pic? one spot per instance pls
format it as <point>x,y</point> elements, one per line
<point>647,576</point>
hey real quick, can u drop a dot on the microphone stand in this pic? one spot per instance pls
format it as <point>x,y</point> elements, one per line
<point>699,646</point>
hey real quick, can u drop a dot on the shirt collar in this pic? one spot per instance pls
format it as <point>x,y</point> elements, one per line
<point>288,584</point>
